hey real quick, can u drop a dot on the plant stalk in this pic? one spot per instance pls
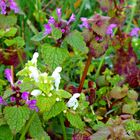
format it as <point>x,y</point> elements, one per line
<point>100,66</point>
<point>27,126</point>
<point>85,73</point>
<point>20,57</point>
<point>131,16</point>
<point>63,126</point>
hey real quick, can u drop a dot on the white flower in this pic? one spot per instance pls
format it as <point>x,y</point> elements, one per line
<point>34,59</point>
<point>57,77</point>
<point>57,99</point>
<point>44,76</point>
<point>73,102</point>
<point>36,92</point>
<point>34,73</point>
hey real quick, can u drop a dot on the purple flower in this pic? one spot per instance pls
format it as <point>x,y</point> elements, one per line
<point>2,101</point>
<point>71,19</point>
<point>135,32</point>
<point>48,29</point>
<point>85,23</point>
<point>51,20</point>
<point>58,11</point>
<point>98,38</point>
<point>13,6</point>
<point>32,105</point>
<point>12,99</point>
<point>63,30</point>
<point>19,82</point>
<point>110,28</point>
<point>8,75</point>
<point>25,95</point>
<point>3,7</point>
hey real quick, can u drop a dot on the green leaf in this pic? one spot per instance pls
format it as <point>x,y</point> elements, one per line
<point>53,56</point>
<point>40,36</point>
<point>56,33</point>
<point>9,42</point>
<point>63,94</point>
<point>12,31</point>
<point>45,103</point>
<point>56,109</point>
<point>16,117</point>
<point>36,130</point>
<point>18,41</point>
<point>7,21</point>
<point>2,120</point>
<point>7,93</point>
<point>130,108</point>
<point>5,133</point>
<point>2,32</point>
<point>76,40</point>
<point>75,120</point>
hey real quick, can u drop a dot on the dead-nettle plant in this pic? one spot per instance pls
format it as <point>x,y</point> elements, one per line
<point>32,105</point>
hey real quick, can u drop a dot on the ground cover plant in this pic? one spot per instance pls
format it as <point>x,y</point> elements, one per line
<point>69,70</point>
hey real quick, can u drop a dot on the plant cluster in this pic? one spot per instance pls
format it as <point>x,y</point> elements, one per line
<point>69,76</point>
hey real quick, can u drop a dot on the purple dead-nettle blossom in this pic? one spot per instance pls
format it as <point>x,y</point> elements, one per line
<point>19,82</point>
<point>2,7</point>
<point>2,101</point>
<point>12,99</point>
<point>51,20</point>
<point>25,95</point>
<point>63,30</point>
<point>48,29</point>
<point>13,6</point>
<point>58,11</point>
<point>85,23</point>
<point>72,18</point>
<point>8,75</point>
<point>98,38</point>
<point>32,105</point>
<point>110,28</point>
<point>135,32</point>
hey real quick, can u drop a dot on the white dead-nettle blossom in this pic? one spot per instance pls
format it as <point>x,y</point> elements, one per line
<point>34,59</point>
<point>50,94</point>
<point>34,73</point>
<point>44,76</point>
<point>65,111</point>
<point>36,92</point>
<point>57,99</point>
<point>57,77</point>
<point>73,102</point>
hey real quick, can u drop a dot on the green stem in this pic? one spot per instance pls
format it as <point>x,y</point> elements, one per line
<point>27,126</point>
<point>63,126</point>
<point>91,108</point>
<point>20,58</point>
<point>131,16</point>
<point>99,68</point>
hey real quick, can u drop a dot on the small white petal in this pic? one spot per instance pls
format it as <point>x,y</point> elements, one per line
<point>58,69</point>
<point>73,102</point>
<point>34,73</point>
<point>57,77</point>
<point>34,59</point>
<point>57,99</point>
<point>36,92</point>
<point>76,95</point>
<point>50,94</point>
